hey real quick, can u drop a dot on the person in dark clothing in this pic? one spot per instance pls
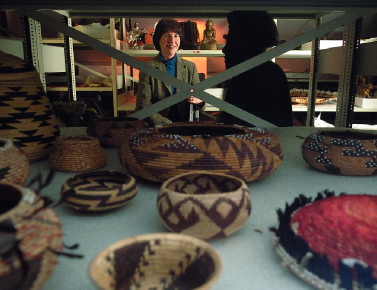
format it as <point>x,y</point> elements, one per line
<point>263,90</point>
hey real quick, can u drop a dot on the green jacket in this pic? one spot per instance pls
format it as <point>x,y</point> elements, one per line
<point>151,90</point>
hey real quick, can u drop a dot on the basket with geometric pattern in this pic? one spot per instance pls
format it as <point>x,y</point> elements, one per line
<point>26,115</point>
<point>157,261</point>
<point>161,152</point>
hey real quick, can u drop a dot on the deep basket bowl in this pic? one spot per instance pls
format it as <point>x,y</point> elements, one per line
<point>204,205</point>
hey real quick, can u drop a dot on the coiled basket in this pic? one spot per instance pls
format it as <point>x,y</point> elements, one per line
<point>161,152</point>
<point>342,152</point>
<point>30,236</point>
<point>77,153</point>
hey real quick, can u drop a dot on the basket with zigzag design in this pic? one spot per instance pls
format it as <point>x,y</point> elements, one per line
<point>157,261</point>
<point>204,205</point>
<point>162,152</point>
<point>99,191</point>
<point>26,115</point>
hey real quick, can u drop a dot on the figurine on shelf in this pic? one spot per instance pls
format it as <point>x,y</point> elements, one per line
<point>209,36</point>
<point>136,37</point>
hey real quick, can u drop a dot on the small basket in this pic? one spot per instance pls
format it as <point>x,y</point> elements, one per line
<point>157,261</point>
<point>14,163</point>
<point>77,153</point>
<point>99,191</point>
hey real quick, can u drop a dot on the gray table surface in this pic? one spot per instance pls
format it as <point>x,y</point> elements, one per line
<point>249,260</point>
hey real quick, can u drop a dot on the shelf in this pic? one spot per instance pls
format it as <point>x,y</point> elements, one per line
<point>210,53</point>
<point>61,41</point>
<point>80,89</point>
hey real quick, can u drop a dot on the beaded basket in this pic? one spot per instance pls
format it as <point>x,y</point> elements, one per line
<point>162,152</point>
<point>204,205</point>
<point>330,242</point>
<point>342,152</point>
<point>14,164</point>
<point>26,115</point>
<point>77,153</point>
<point>99,190</point>
<point>157,261</point>
<point>113,131</point>
<point>30,236</point>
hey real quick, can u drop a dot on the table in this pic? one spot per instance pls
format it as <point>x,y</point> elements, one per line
<point>249,260</point>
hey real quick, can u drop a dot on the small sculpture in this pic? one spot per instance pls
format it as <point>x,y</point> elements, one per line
<point>209,36</point>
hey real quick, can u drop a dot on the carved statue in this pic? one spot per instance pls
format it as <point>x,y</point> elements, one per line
<point>209,36</point>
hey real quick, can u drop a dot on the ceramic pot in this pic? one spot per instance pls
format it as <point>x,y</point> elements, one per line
<point>113,131</point>
<point>77,153</point>
<point>26,115</point>
<point>342,152</point>
<point>157,261</point>
<point>204,205</point>
<point>99,191</point>
<point>162,152</point>
<point>30,236</point>
<point>330,242</point>
<point>14,164</point>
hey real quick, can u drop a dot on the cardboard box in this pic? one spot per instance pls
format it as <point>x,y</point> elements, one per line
<point>366,102</point>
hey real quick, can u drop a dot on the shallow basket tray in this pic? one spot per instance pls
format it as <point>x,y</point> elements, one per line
<point>157,261</point>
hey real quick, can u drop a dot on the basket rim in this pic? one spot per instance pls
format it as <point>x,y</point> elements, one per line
<point>165,184</point>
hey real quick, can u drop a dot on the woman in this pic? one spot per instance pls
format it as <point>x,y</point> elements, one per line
<point>263,90</point>
<point>167,39</point>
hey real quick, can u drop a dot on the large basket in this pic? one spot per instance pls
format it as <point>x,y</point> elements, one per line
<point>157,261</point>
<point>113,131</point>
<point>203,204</point>
<point>162,152</point>
<point>77,153</point>
<point>14,164</point>
<point>30,236</point>
<point>26,115</point>
<point>342,152</point>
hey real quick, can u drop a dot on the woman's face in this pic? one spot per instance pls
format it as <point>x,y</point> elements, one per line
<point>169,43</point>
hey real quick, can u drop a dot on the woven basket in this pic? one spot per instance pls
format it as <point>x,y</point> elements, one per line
<point>26,115</point>
<point>157,261</point>
<point>342,152</point>
<point>162,152</point>
<point>30,235</point>
<point>330,243</point>
<point>204,205</point>
<point>77,153</point>
<point>14,164</point>
<point>99,190</point>
<point>113,131</point>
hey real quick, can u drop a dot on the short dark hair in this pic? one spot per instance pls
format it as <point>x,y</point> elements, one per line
<point>163,26</point>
